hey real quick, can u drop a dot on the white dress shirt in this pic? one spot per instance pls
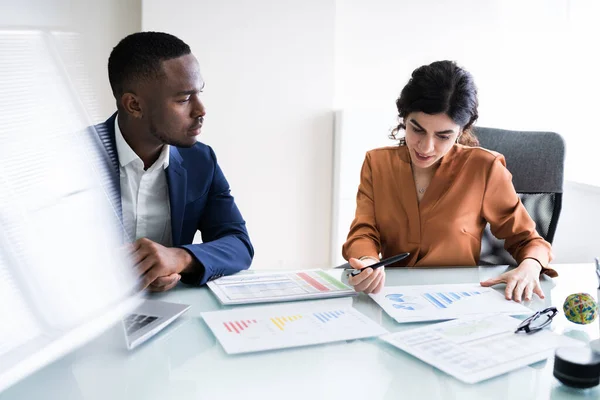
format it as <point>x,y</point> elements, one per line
<point>144,194</point>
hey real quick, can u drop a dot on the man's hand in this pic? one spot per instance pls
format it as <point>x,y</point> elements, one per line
<point>522,281</point>
<point>164,283</point>
<point>370,280</point>
<point>159,266</point>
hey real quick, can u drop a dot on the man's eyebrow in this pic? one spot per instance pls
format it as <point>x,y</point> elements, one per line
<point>191,91</point>
<point>420,127</point>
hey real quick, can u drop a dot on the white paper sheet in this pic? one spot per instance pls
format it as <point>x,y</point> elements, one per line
<point>474,349</point>
<point>251,329</point>
<point>441,302</point>
<point>280,286</point>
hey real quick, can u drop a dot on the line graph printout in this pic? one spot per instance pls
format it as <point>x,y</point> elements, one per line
<point>442,302</point>
<point>280,286</point>
<point>251,329</point>
<point>474,349</point>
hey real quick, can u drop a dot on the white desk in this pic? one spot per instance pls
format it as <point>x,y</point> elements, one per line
<point>186,362</point>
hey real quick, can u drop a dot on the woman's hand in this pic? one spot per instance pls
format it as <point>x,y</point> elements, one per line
<point>522,281</point>
<point>369,280</point>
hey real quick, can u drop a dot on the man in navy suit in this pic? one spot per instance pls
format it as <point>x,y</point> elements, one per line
<point>166,185</point>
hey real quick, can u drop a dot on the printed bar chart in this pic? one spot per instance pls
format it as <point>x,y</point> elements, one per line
<point>313,282</point>
<point>238,326</point>
<point>443,300</point>
<point>326,316</point>
<point>281,321</point>
<point>287,286</point>
<point>417,303</point>
<point>281,326</point>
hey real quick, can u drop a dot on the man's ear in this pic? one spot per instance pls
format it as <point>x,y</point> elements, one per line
<point>131,105</point>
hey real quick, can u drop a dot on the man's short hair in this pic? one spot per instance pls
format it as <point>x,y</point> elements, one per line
<point>138,57</point>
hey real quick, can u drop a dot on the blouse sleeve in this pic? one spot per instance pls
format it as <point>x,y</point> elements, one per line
<point>363,238</point>
<point>509,219</point>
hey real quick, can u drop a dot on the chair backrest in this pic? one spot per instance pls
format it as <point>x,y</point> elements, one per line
<point>536,162</point>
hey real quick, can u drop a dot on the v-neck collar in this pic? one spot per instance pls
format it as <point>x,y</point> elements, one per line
<point>442,179</point>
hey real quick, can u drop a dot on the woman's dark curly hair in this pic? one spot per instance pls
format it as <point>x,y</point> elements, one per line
<point>440,87</point>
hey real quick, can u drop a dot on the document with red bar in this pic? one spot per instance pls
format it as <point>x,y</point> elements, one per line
<point>279,326</point>
<point>246,288</point>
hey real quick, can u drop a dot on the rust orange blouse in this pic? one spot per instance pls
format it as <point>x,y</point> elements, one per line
<point>471,187</point>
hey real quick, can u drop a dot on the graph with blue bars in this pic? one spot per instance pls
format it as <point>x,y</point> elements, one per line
<point>326,316</point>
<point>445,299</point>
<point>403,302</point>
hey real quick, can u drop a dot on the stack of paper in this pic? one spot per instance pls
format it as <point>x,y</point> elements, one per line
<point>275,327</point>
<point>474,349</point>
<point>280,286</point>
<point>440,302</point>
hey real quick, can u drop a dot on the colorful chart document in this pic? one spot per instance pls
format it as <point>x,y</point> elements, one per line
<point>280,286</point>
<point>251,329</point>
<point>441,302</point>
<point>474,349</point>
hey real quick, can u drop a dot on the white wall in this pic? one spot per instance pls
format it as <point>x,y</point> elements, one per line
<point>268,67</point>
<point>535,62</point>
<point>101,24</point>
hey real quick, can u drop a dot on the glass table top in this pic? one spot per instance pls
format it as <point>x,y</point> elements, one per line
<point>186,361</point>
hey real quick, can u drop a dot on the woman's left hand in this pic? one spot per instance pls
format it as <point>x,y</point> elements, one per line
<point>522,281</point>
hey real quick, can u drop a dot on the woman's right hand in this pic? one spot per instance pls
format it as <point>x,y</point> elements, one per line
<point>369,280</point>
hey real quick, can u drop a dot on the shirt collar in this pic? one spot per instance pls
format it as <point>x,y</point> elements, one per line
<point>127,155</point>
<point>163,158</point>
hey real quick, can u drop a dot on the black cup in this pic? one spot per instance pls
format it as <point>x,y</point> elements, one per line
<point>578,367</point>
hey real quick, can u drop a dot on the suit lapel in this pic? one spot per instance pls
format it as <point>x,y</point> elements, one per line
<point>177,182</point>
<point>106,133</point>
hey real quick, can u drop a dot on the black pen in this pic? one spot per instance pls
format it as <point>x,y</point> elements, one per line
<point>381,263</point>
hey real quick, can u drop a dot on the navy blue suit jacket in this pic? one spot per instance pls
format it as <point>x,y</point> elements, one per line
<point>200,199</point>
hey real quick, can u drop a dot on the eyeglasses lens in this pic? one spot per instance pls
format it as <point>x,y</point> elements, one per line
<point>541,321</point>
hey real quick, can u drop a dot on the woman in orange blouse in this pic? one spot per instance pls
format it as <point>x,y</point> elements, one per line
<point>434,193</point>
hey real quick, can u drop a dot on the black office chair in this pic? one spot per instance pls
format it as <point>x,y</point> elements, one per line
<point>536,161</point>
